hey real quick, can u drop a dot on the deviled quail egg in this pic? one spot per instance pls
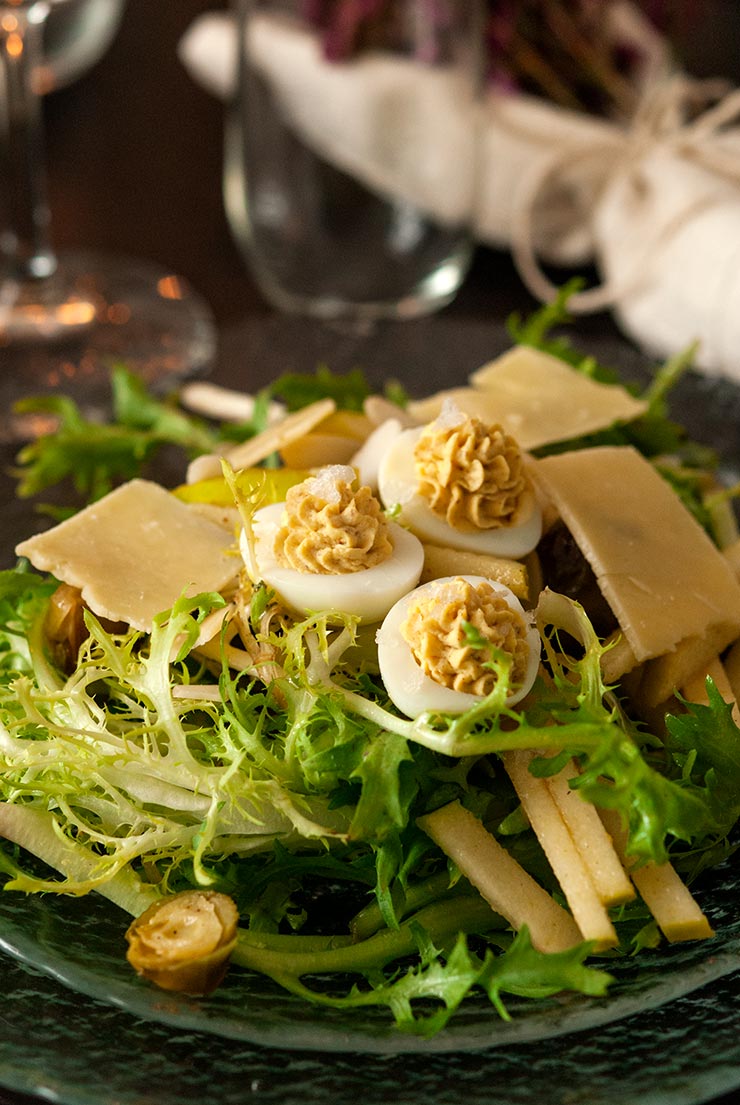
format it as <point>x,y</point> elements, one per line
<point>461,483</point>
<point>330,548</point>
<point>426,658</point>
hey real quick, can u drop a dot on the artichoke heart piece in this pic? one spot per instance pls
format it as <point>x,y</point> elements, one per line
<point>184,942</point>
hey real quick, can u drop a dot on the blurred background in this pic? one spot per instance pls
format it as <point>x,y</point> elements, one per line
<point>135,159</point>
<point>134,154</point>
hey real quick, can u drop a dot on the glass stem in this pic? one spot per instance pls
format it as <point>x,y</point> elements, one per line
<point>25,241</point>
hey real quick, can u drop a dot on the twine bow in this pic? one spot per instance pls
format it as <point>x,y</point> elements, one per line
<point>666,119</point>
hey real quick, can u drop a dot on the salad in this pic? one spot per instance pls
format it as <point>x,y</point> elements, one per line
<point>393,701</point>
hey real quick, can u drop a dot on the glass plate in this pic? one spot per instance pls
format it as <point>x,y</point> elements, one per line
<point>76,1014</point>
<point>80,943</point>
<point>78,1051</point>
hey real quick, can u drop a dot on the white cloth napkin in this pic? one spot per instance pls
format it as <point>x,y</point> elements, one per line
<point>656,205</point>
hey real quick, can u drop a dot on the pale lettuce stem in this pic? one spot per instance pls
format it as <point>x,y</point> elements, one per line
<point>339,646</point>
<point>73,745</point>
<point>37,832</point>
<point>46,675</point>
<point>439,921</point>
<point>370,919</point>
<point>363,707</point>
<point>578,735</point>
<point>300,707</point>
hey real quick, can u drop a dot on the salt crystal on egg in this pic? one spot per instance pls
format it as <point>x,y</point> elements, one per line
<point>450,415</point>
<point>324,485</point>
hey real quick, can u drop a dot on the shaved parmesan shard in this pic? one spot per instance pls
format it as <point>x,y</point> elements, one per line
<point>537,398</point>
<point>135,552</point>
<point>655,565</point>
<point>732,555</point>
<point>254,450</point>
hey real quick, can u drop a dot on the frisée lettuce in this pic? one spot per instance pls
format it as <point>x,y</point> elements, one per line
<point>145,772</point>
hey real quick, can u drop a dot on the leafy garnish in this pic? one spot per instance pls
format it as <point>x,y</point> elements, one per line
<point>130,777</point>
<point>536,330</point>
<point>422,998</point>
<point>95,456</point>
<point>705,741</point>
<point>348,390</point>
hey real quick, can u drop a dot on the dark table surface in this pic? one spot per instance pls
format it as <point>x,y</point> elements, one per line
<point>134,151</point>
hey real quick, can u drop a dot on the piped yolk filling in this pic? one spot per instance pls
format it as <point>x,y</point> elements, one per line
<point>472,475</point>
<point>329,528</point>
<point>435,630</point>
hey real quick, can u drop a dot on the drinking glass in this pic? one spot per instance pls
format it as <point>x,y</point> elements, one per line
<point>351,149</point>
<point>66,318</point>
<point>75,37</point>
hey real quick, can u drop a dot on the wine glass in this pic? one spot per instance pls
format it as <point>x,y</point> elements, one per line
<point>75,36</point>
<point>66,318</point>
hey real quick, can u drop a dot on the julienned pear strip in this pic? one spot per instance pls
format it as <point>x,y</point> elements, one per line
<point>504,884</point>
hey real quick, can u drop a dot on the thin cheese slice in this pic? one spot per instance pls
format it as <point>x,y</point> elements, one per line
<point>655,565</point>
<point>537,398</point>
<point>732,555</point>
<point>135,552</point>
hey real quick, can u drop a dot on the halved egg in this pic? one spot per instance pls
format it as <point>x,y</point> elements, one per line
<point>398,486</point>
<point>367,594</point>
<point>404,676</point>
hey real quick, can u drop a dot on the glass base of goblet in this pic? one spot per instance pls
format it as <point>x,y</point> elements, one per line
<point>65,333</point>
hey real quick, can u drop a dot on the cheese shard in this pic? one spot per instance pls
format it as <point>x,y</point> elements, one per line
<point>732,555</point>
<point>135,552</point>
<point>537,398</point>
<point>655,565</point>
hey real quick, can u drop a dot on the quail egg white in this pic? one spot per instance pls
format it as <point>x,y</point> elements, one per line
<point>368,457</point>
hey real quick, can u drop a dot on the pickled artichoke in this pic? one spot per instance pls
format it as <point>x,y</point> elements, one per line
<point>184,942</point>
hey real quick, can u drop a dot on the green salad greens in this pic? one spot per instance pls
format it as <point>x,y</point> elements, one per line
<point>125,787</point>
<point>144,768</point>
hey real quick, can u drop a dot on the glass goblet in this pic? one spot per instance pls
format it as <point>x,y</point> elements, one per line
<point>66,318</point>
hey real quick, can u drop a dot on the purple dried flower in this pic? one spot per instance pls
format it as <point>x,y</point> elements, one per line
<point>559,49</point>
